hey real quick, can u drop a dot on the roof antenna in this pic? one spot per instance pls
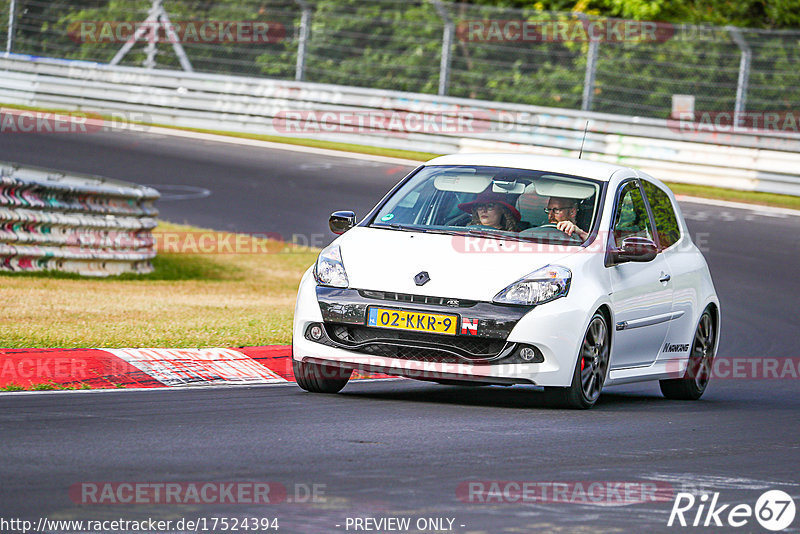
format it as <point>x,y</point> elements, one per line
<point>584,139</point>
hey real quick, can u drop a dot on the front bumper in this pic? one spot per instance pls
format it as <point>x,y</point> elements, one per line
<point>490,355</point>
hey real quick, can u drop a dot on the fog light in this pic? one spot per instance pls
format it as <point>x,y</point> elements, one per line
<point>529,354</point>
<point>315,332</point>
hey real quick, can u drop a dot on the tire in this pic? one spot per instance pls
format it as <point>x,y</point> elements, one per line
<point>701,358</point>
<point>591,369</point>
<point>320,378</point>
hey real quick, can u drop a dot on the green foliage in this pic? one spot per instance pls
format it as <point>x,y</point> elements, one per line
<point>397,45</point>
<point>745,13</point>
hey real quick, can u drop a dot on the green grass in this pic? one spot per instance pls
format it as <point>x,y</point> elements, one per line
<point>750,197</point>
<point>50,386</point>
<point>191,300</point>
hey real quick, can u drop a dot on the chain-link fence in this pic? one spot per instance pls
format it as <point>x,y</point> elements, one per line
<point>550,59</point>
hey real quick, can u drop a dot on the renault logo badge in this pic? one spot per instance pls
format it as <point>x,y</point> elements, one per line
<point>422,278</point>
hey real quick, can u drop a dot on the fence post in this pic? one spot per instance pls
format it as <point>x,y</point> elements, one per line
<point>744,69</point>
<point>591,70</point>
<point>152,43</point>
<point>447,45</point>
<point>305,28</point>
<point>11,21</point>
<point>157,17</point>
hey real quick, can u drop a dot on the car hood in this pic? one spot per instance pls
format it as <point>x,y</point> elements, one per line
<point>473,268</point>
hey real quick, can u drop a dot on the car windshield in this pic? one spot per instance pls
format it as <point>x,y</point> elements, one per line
<point>494,202</point>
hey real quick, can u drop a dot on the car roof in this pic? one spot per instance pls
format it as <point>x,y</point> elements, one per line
<point>573,166</point>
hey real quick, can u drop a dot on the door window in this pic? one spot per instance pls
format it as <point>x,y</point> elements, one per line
<point>631,215</point>
<point>664,214</point>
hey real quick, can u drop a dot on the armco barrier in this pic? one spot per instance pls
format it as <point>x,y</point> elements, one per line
<point>75,223</point>
<point>768,161</point>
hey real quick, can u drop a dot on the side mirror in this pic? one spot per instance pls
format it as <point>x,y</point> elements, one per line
<point>638,249</point>
<point>341,221</point>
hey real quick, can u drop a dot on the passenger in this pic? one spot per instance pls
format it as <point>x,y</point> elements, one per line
<point>562,213</point>
<point>491,209</point>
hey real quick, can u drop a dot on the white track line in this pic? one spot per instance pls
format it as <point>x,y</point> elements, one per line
<point>280,146</point>
<point>738,205</point>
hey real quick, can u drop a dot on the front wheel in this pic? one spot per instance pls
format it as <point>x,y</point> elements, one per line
<point>320,378</point>
<point>590,370</point>
<point>698,372</point>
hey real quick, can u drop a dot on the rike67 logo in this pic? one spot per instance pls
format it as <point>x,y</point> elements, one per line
<point>774,510</point>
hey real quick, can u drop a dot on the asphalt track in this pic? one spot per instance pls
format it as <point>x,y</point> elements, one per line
<point>400,448</point>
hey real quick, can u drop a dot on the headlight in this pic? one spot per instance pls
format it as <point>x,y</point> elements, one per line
<point>329,270</point>
<point>540,286</point>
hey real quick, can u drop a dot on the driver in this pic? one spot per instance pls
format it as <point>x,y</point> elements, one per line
<point>562,212</point>
<point>493,210</point>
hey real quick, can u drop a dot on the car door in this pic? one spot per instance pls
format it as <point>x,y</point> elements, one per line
<point>685,268</point>
<point>641,291</point>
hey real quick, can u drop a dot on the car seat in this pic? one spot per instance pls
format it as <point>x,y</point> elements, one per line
<point>531,207</point>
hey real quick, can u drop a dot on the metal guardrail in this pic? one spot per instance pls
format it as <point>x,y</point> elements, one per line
<point>561,59</point>
<point>761,161</point>
<point>75,223</point>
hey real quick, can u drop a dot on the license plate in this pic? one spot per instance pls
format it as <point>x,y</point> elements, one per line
<point>408,320</point>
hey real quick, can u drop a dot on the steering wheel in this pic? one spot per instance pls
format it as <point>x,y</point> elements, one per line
<point>550,229</point>
<point>459,220</point>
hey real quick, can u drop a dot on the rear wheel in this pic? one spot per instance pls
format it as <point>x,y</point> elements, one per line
<point>698,372</point>
<point>590,370</point>
<point>320,378</point>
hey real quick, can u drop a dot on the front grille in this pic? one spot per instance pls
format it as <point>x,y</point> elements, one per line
<point>417,299</point>
<point>419,346</point>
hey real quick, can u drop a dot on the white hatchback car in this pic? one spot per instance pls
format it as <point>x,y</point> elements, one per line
<point>512,269</point>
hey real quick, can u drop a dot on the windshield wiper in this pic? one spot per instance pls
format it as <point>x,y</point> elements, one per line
<point>497,235</point>
<point>445,232</point>
<point>406,228</point>
<point>475,231</point>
